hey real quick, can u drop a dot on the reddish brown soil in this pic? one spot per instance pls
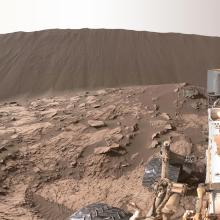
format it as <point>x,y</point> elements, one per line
<point>50,160</point>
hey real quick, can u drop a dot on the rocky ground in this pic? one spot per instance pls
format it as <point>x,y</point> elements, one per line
<point>58,154</point>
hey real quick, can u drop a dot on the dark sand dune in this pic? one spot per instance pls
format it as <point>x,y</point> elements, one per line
<point>58,60</point>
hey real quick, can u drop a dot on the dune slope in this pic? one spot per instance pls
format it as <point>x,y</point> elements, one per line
<point>60,60</point>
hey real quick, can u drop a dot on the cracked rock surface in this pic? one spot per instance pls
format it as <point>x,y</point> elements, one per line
<point>60,153</point>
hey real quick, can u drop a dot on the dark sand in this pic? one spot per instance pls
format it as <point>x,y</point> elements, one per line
<point>60,60</point>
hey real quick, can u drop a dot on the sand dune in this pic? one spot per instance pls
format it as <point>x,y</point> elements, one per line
<point>58,60</point>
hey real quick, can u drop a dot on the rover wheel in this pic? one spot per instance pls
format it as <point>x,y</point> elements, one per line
<point>100,211</point>
<point>152,173</point>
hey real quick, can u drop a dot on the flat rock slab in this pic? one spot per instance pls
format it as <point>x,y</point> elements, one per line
<point>96,123</point>
<point>103,150</point>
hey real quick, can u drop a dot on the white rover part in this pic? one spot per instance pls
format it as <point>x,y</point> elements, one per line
<point>213,161</point>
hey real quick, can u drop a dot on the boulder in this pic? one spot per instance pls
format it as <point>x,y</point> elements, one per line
<point>165,116</point>
<point>155,135</point>
<point>75,99</point>
<point>191,93</point>
<point>154,144</point>
<point>181,147</point>
<point>91,99</point>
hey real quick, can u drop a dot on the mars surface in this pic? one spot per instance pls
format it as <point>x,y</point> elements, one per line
<point>83,111</point>
<point>60,153</point>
